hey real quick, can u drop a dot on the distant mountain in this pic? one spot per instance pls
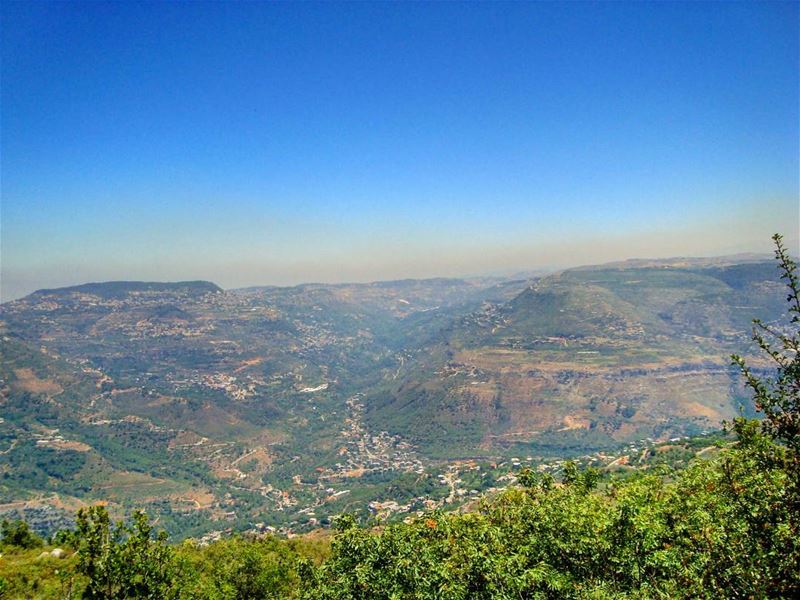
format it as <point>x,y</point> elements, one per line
<point>682,262</point>
<point>118,289</point>
<point>189,400</point>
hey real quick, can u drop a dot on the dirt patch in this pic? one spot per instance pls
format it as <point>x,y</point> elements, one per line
<point>484,393</point>
<point>68,445</point>
<point>353,473</point>
<point>197,499</point>
<point>252,362</point>
<point>259,458</point>
<point>695,409</point>
<point>162,401</point>
<point>187,439</point>
<point>27,381</point>
<point>225,472</point>
<point>574,422</point>
<point>267,437</point>
<point>146,481</point>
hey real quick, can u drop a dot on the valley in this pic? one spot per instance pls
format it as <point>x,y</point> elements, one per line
<point>280,407</point>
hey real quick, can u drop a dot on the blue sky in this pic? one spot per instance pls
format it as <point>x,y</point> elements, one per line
<point>255,143</point>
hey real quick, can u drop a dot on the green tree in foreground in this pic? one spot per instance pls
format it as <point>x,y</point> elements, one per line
<point>250,568</point>
<point>774,442</point>
<point>779,398</point>
<point>124,561</point>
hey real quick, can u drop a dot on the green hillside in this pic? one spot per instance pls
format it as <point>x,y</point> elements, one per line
<point>286,406</point>
<point>584,359</point>
<point>724,526</point>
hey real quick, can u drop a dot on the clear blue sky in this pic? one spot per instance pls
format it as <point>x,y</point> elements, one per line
<point>255,143</point>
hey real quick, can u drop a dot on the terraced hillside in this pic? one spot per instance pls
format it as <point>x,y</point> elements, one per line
<point>284,406</point>
<point>208,405</point>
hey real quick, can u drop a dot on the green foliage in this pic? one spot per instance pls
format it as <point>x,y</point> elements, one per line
<point>124,561</point>
<point>35,574</point>
<point>129,560</point>
<point>66,537</point>
<point>779,398</point>
<point>19,535</point>
<point>586,480</point>
<point>530,479</point>
<point>245,568</point>
<point>720,528</point>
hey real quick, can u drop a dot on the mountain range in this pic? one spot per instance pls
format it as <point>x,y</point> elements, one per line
<point>288,404</point>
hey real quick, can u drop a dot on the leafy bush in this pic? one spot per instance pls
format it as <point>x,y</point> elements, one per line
<point>19,535</point>
<point>124,561</point>
<point>244,568</point>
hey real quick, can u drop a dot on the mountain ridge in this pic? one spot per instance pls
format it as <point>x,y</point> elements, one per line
<point>120,287</point>
<point>632,263</point>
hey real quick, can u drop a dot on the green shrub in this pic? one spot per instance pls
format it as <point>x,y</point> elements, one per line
<point>19,535</point>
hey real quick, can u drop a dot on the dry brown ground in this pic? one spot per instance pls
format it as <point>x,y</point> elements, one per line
<point>27,381</point>
<point>249,363</point>
<point>69,445</point>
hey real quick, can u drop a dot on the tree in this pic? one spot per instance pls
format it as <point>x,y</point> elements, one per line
<point>764,478</point>
<point>124,561</point>
<point>779,398</point>
<point>18,534</point>
<point>252,569</point>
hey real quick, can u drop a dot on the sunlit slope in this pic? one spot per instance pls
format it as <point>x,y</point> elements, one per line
<point>585,358</point>
<point>56,446</point>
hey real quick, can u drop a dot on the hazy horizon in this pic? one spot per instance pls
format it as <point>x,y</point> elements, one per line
<point>499,274</point>
<point>276,144</point>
